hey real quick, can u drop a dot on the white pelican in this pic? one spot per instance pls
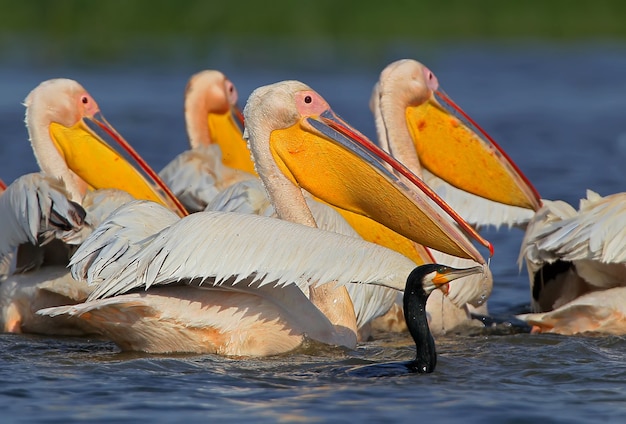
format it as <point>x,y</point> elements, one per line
<point>575,259</point>
<point>422,128</point>
<point>576,262</point>
<point>36,208</point>
<point>219,156</point>
<point>232,283</point>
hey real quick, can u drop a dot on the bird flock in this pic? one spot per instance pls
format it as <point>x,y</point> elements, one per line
<point>283,223</point>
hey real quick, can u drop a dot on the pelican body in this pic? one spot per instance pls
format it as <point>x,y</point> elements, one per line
<point>43,215</point>
<point>219,156</point>
<point>425,130</point>
<point>576,261</point>
<point>202,275</point>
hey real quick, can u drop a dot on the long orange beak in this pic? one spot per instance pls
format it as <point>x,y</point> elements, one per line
<point>337,164</point>
<point>453,147</point>
<point>89,156</point>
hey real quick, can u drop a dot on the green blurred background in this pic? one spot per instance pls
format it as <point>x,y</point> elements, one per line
<point>60,30</point>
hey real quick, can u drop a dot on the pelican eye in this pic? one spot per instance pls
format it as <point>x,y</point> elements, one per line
<point>84,99</point>
<point>308,99</point>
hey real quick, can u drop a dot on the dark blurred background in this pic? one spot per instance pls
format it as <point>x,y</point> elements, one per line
<point>46,32</point>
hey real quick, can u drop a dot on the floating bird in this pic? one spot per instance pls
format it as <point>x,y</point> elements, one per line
<point>238,197</point>
<point>576,261</point>
<point>422,128</point>
<point>234,284</point>
<point>202,173</point>
<point>38,208</point>
<point>420,284</point>
<point>219,156</point>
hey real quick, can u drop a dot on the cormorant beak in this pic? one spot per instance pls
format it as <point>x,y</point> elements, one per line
<point>445,274</point>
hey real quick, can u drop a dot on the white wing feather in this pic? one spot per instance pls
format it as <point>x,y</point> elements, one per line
<point>596,232</point>
<point>218,247</point>
<point>108,249</point>
<point>369,301</point>
<point>197,176</point>
<point>98,204</point>
<point>244,197</point>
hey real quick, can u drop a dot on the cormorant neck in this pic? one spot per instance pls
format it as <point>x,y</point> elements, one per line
<point>417,322</point>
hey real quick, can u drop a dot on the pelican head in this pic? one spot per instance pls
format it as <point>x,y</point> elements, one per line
<point>58,117</point>
<point>443,138</point>
<point>298,142</point>
<point>211,97</point>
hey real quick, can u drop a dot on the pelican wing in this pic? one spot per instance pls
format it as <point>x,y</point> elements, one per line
<point>119,237</point>
<point>369,301</point>
<point>197,176</point>
<point>218,247</point>
<point>35,209</point>
<point>596,232</point>
<point>244,197</point>
<point>98,204</point>
<point>476,210</point>
<point>249,196</point>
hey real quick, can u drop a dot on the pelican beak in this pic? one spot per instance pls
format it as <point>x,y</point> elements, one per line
<point>454,148</point>
<point>446,274</point>
<point>337,164</point>
<point>90,157</point>
<point>226,131</point>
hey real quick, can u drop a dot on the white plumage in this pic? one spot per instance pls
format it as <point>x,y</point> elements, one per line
<point>406,89</point>
<point>577,258</point>
<point>222,265</point>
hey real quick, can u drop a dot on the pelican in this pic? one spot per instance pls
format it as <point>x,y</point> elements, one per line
<point>36,208</point>
<point>422,128</point>
<point>576,262</point>
<point>573,257</point>
<point>218,156</point>
<point>233,284</point>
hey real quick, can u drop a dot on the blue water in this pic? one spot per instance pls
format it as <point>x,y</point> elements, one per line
<point>559,113</point>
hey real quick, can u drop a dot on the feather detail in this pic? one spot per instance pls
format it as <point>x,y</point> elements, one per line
<point>35,209</point>
<point>222,247</point>
<point>196,176</point>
